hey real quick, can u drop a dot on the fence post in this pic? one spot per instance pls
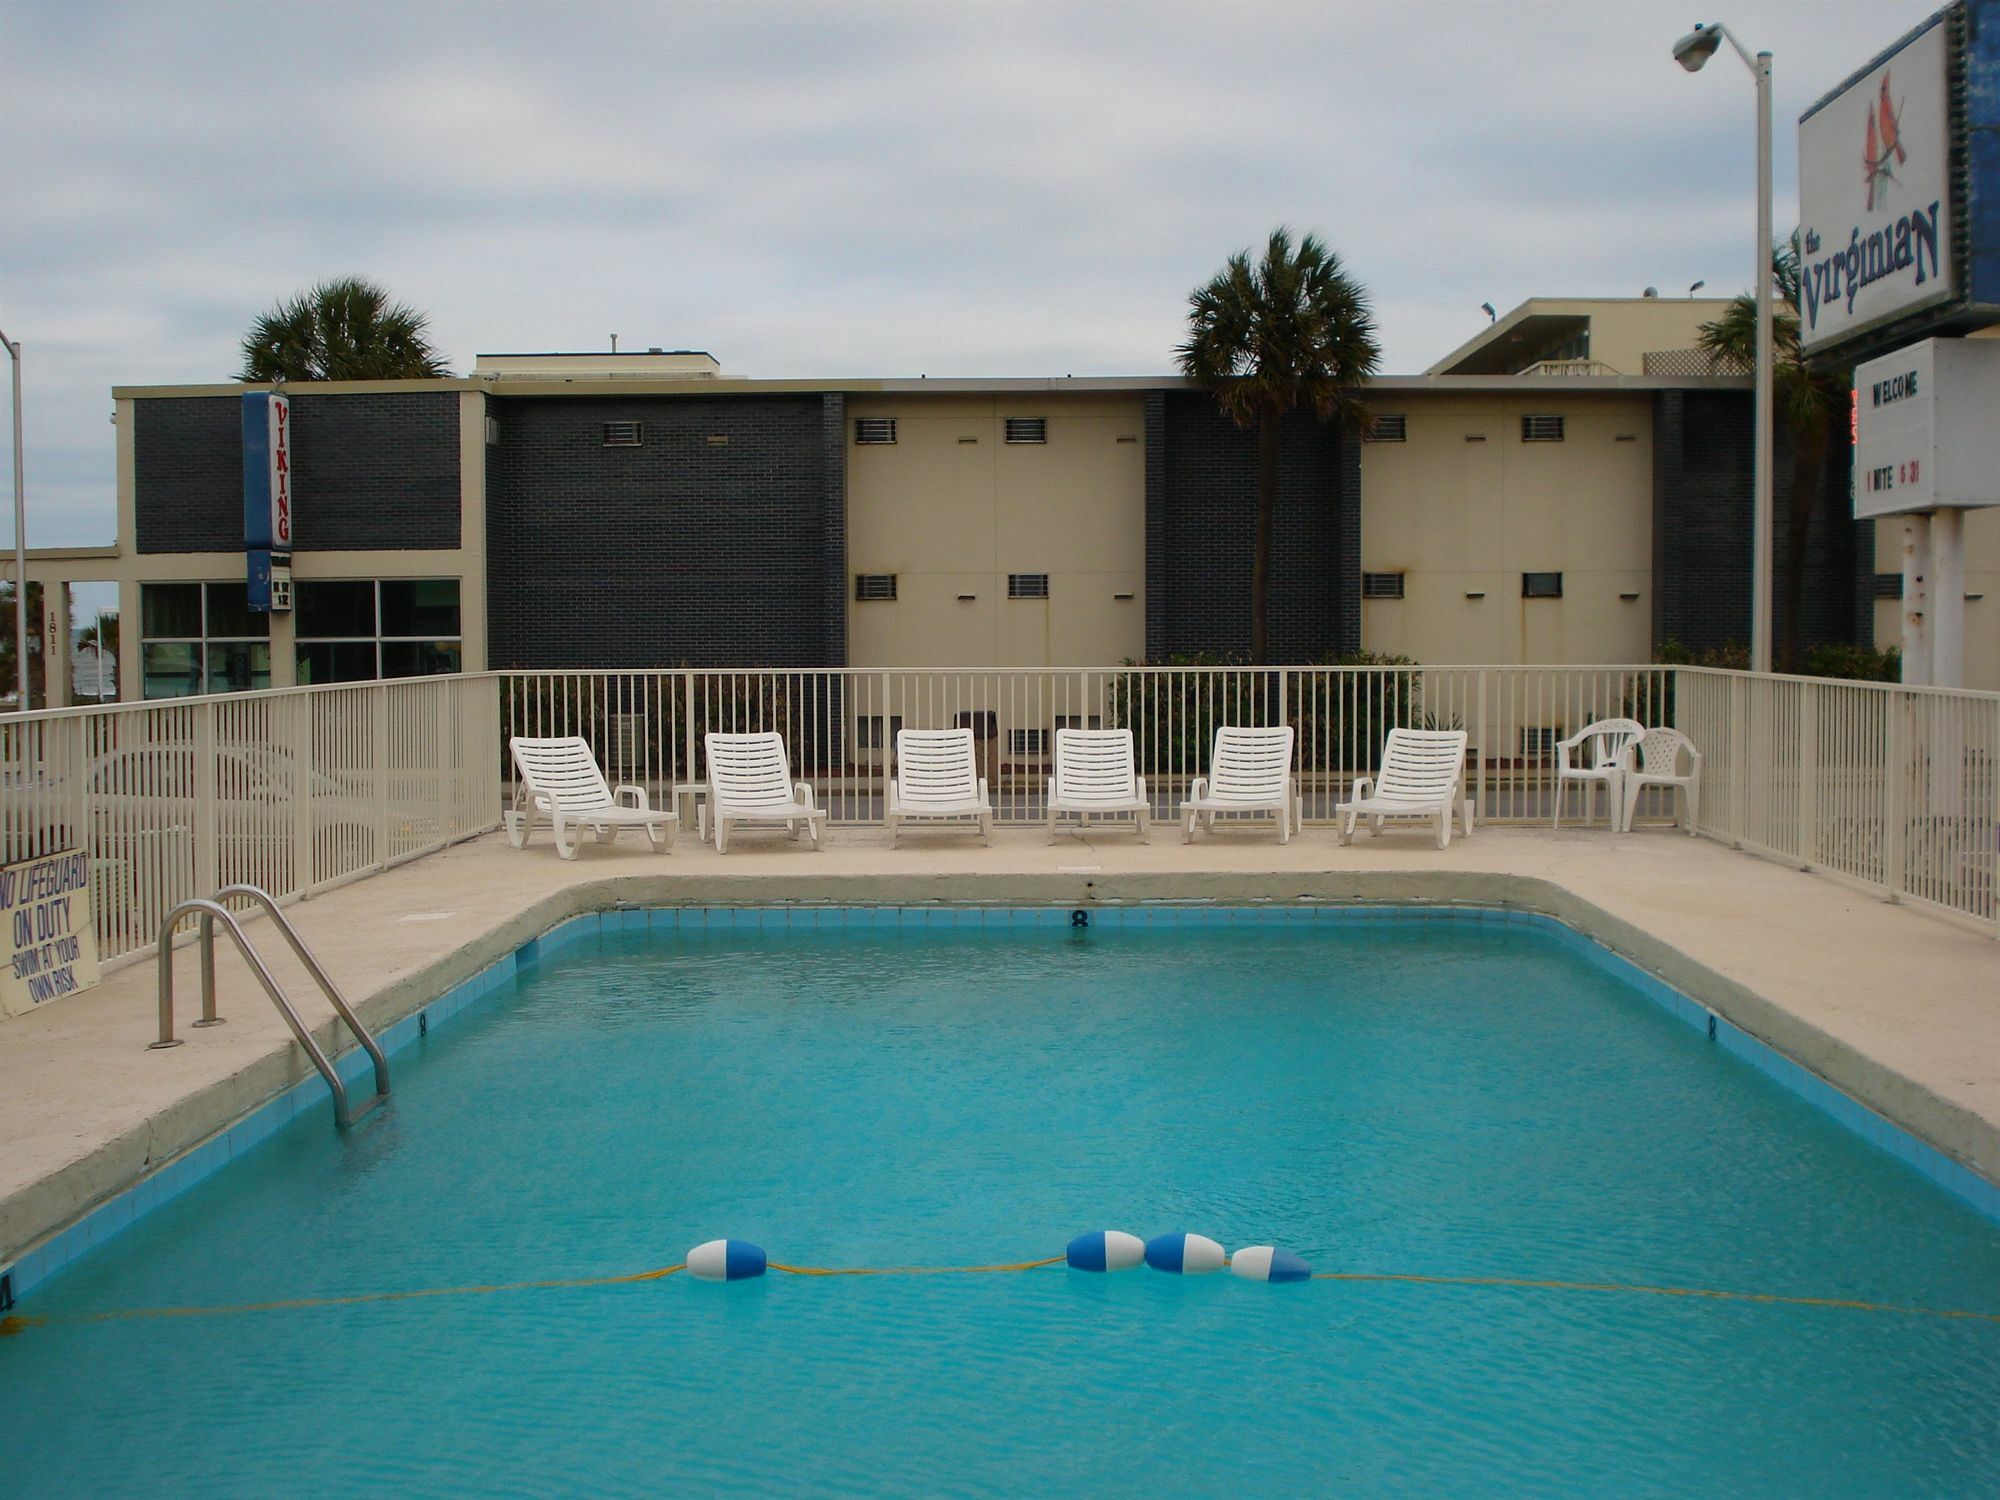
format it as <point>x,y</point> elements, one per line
<point>299,733</point>
<point>207,840</point>
<point>687,749</point>
<point>1895,793</point>
<point>1808,770</point>
<point>1738,752</point>
<point>378,771</point>
<point>1479,756</point>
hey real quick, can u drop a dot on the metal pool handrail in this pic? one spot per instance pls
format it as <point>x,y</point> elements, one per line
<point>211,911</point>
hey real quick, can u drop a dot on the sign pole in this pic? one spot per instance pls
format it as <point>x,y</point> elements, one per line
<point>1760,560</point>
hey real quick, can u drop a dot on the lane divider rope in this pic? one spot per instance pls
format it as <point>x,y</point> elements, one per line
<point>16,1323</point>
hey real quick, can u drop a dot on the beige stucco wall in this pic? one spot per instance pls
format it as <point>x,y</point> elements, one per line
<point>1457,517</point>
<point>1623,333</point>
<point>951,510</point>
<point>1982,577</point>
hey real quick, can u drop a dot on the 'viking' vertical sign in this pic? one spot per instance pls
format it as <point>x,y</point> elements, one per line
<point>51,938</point>
<point>267,499</point>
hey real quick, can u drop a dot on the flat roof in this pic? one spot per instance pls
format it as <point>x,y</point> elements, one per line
<point>581,385</point>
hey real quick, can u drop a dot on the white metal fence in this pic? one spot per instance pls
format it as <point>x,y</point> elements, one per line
<point>840,724</point>
<point>1897,788</point>
<point>296,789</point>
<point>292,790</point>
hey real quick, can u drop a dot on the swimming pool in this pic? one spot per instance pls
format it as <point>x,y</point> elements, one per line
<point>1442,1097</point>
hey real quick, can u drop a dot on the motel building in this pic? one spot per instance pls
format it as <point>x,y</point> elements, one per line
<point>1571,486</point>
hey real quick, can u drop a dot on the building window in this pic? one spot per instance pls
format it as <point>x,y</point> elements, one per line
<point>1027,585</point>
<point>1381,585</point>
<point>1537,743</point>
<point>624,434</point>
<point>1387,430</point>
<point>1888,585</point>
<point>874,586</point>
<point>1542,429</point>
<point>1027,429</point>
<point>201,638</point>
<point>874,430</point>
<point>868,731</point>
<point>1027,742</point>
<point>1541,585</point>
<point>1078,721</point>
<point>357,630</point>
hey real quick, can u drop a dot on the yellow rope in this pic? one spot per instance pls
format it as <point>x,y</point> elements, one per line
<point>16,1323</point>
<point>1019,1265</point>
<point>1711,1294</point>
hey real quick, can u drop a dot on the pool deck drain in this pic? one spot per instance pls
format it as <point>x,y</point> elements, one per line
<point>1898,1008</point>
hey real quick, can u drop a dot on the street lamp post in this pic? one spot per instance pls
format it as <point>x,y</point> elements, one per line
<point>20,539</point>
<point>1691,51</point>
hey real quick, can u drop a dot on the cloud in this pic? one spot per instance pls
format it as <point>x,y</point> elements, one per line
<point>855,190</point>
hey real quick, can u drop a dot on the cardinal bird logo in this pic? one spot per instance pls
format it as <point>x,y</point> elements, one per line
<point>1884,151</point>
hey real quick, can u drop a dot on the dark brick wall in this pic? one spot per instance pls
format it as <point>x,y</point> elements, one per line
<point>681,552</point>
<point>1703,462</point>
<point>370,472</point>
<point>1201,516</point>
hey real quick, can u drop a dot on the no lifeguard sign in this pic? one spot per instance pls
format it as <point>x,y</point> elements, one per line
<point>51,937</point>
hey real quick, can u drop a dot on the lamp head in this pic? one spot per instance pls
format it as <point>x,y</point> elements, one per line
<point>1697,47</point>
<point>1487,308</point>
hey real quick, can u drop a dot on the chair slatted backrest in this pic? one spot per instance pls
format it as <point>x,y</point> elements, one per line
<point>936,766</point>
<point>1606,740</point>
<point>1659,752</point>
<point>1095,765</point>
<point>561,772</point>
<point>1250,765</point>
<point>1421,765</point>
<point>749,770</point>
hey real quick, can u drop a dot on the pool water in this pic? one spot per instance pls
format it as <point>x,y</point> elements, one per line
<point>1445,1098</point>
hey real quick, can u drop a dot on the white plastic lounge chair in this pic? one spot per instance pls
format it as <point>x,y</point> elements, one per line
<point>1594,757</point>
<point>1656,761</point>
<point>1422,776</point>
<point>1094,777</point>
<point>937,776</point>
<point>1249,771</point>
<point>560,781</point>
<point>750,781</point>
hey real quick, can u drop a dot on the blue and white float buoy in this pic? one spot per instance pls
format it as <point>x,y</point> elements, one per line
<point>1184,1254</point>
<point>726,1260</point>
<point>1105,1250</point>
<point>1263,1263</point>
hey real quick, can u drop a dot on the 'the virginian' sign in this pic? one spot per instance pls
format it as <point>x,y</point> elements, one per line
<point>1875,195</point>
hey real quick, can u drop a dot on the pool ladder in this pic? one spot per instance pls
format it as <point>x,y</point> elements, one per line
<point>212,911</point>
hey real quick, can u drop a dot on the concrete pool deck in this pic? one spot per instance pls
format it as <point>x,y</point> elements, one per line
<point>1898,1008</point>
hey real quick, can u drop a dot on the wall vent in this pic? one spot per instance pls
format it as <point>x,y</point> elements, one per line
<point>874,429</point>
<point>870,587</point>
<point>1541,585</point>
<point>624,434</point>
<point>1027,429</point>
<point>1027,585</point>
<point>1546,428</point>
<point>1381,585</point>
<point>1388,430</point>
<point>1888,585</point>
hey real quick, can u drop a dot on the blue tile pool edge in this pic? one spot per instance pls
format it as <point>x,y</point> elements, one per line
<point>168,1181</point>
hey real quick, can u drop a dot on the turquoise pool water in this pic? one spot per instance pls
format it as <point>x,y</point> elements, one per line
<point>1443,1098</point>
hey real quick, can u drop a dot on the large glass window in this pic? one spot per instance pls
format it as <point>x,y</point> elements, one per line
<point>355,630</point>
<point>202,638</point>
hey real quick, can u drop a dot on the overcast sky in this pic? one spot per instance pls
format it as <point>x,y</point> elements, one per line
<point>862,190</point>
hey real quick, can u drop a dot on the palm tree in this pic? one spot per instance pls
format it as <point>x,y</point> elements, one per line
<point>1289,333</point>
<point>346,329</point>
<point>1807,402</point>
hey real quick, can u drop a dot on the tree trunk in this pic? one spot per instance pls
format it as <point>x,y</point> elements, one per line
<point>1260,561</point>
<point>1808,459</point>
